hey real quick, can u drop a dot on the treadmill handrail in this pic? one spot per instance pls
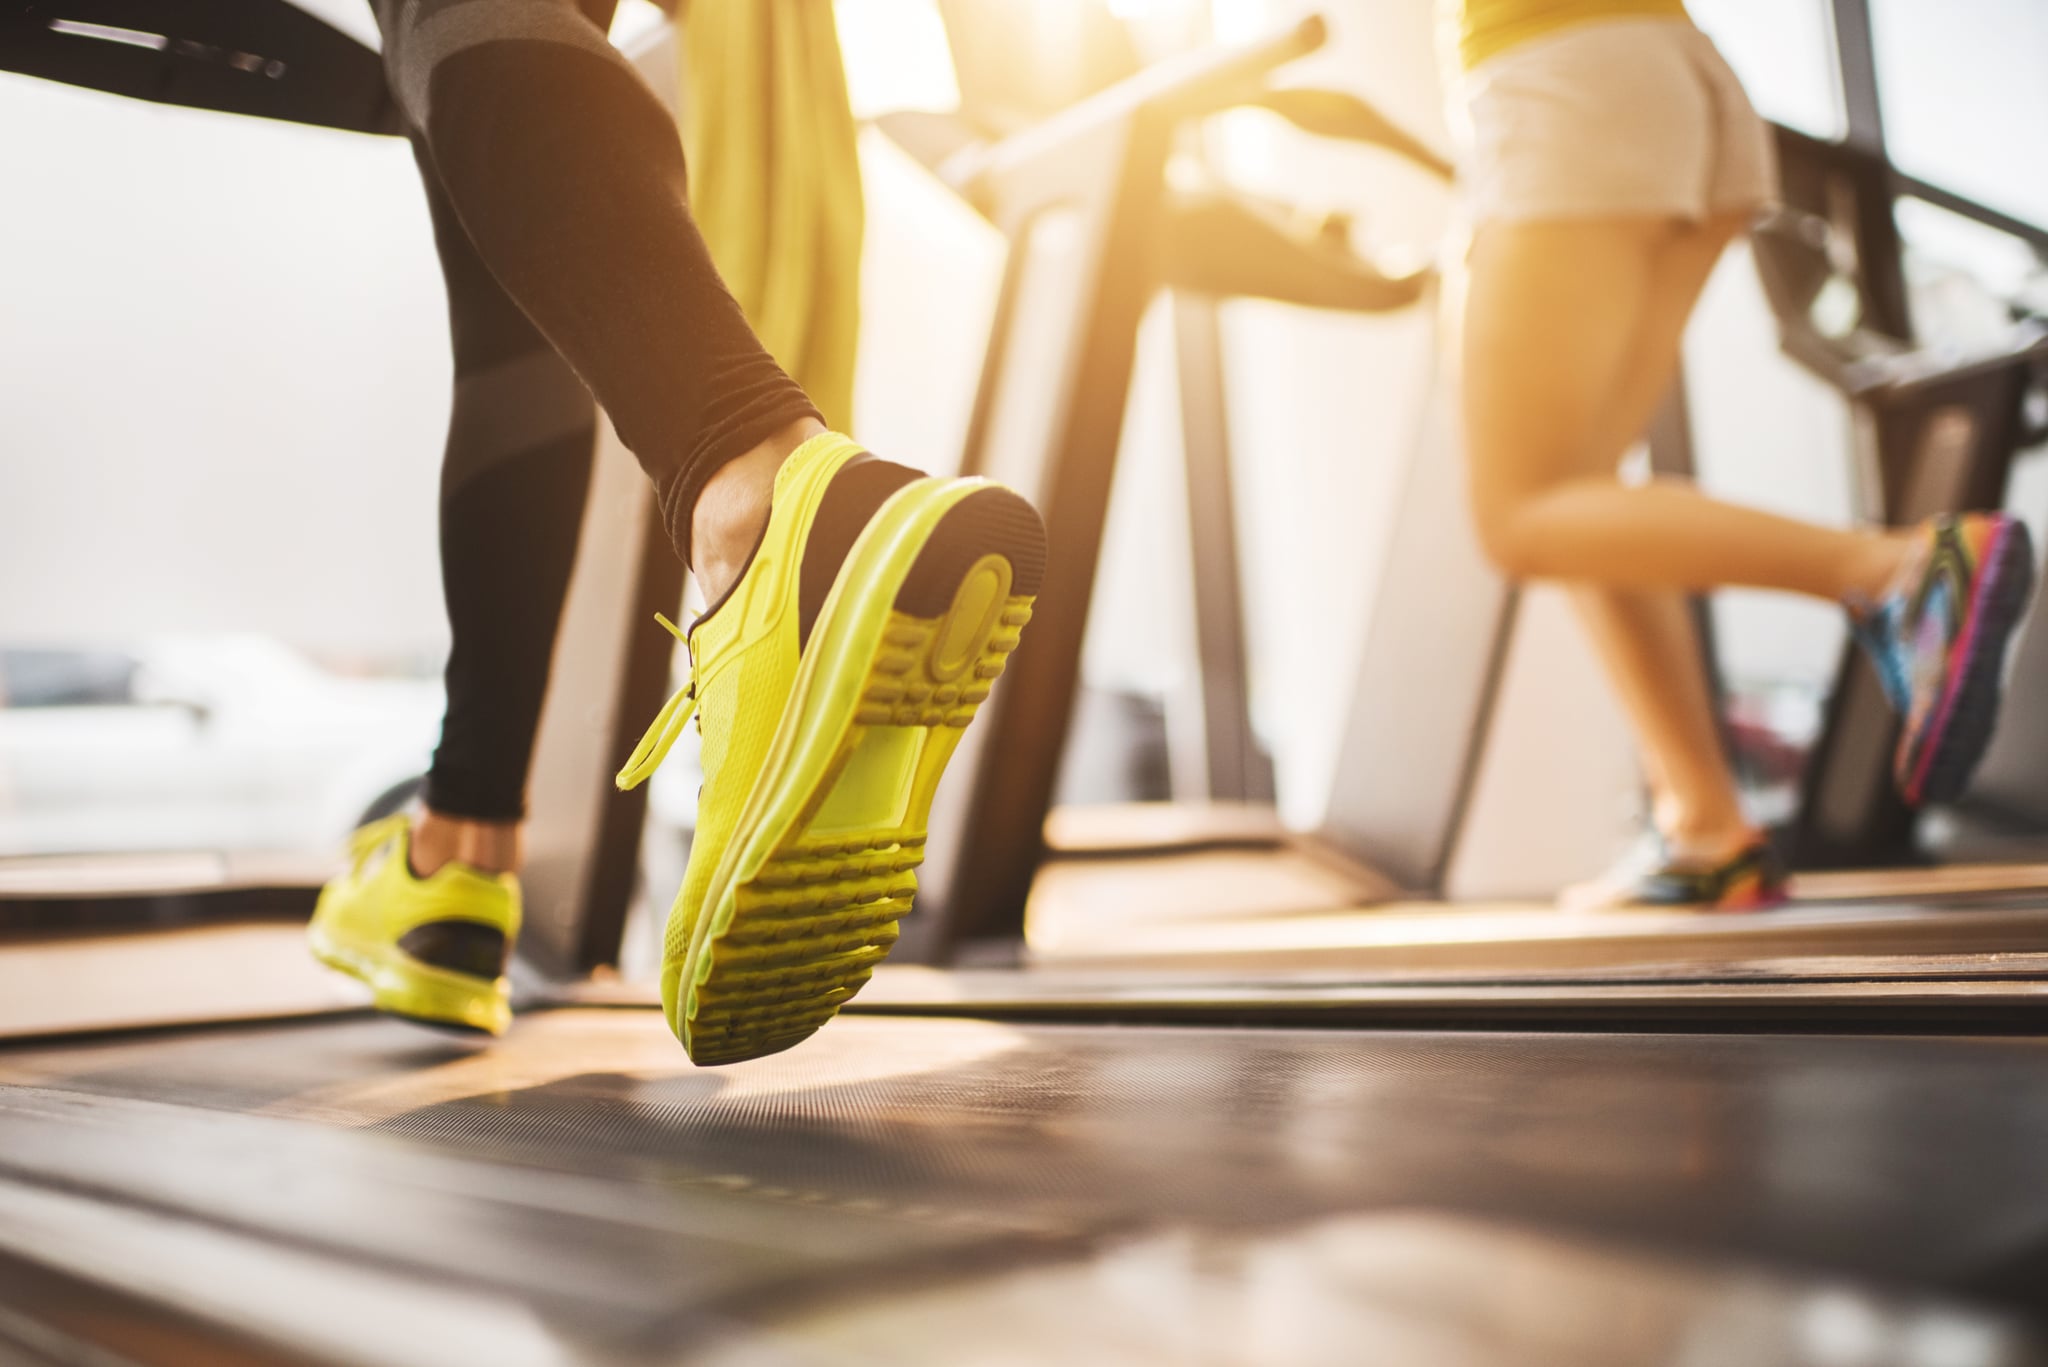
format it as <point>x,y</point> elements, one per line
<point>1791,254</point>
<point>1346,117</point>
<point>1196,83</point>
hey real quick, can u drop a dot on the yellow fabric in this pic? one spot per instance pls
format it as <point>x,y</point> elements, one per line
<point>820,757</point>
<point>363,915</point>
<point>743,663</point>
<point>775,181</point>
<point>1487,28</point>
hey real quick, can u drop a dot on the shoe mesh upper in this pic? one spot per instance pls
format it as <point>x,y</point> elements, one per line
<point>744,658</point>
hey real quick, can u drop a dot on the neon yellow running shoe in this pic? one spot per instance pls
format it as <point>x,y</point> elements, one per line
<point>831,686</point>
<point>432,949</point>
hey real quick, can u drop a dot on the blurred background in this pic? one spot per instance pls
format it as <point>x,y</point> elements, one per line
<point>227,383</point>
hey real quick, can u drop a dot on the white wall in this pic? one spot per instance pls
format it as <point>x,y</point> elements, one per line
<point>226,378</point>
<point>226,375</point>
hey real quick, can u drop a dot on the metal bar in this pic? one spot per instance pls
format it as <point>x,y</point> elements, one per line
<point>263,60</point>
<point>2033,234</point>
<point>998,814</point>
<point>1080,197</point>
<point>609,672</point>
<point>622,817</point>
<point>1856,70</point>
<point>1877,237</point>
<point>1235,767</point>
<point>1851,187</point>
<point>1885,1008</point>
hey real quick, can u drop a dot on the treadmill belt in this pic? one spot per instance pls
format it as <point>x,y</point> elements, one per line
<point>360,1190</point>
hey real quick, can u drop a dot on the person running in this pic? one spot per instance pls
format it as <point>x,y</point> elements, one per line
<point>859,611</point>
<point>1610,155</point>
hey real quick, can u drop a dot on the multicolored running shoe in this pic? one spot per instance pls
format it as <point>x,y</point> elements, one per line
<point>431,949</point>
<point>1939,646</point>
<point>1650,876</point>
<point>831,686</point>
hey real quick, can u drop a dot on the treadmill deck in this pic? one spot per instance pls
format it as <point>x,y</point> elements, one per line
<point>950,1190</point>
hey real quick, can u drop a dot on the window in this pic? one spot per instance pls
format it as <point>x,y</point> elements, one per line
<point>1784,52</point>
<point>1964,106</point>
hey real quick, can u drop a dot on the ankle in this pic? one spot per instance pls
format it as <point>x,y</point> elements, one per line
<point>488,846</point>
<point>1883,565</point>
<point>1705,834</point>
<point>732,510</point>
<point>1705,843</point>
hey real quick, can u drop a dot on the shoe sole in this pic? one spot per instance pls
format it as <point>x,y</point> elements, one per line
<point>1756,894</point>
<point>402,986</point>
<point>1963,719</point>
<point>1742,903</point>
<point>822,864</point>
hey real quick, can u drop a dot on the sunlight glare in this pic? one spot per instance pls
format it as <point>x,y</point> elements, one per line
<point>1236,21</point>
<point>896,56</point>
<point>1148,9</point>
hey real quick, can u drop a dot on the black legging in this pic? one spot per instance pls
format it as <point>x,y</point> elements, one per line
<point>555,179</point>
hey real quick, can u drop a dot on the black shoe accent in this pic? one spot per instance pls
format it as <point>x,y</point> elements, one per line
<point>468,947</point>
<point>987,522</point>
<point>858,490</point>
<point>1675,886</point>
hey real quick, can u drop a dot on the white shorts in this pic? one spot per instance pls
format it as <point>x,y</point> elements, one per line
<point>1611,118</point>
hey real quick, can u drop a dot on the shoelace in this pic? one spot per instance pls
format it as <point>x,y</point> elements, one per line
<point>1888,628</point>
<point>367,840</point>
<point>668,723</point>
<point>1876,629</point>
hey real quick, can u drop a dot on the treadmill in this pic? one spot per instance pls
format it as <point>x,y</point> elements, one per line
<point>1767,1154</point>
<point>1094,200</point>
<point>1940,427</point>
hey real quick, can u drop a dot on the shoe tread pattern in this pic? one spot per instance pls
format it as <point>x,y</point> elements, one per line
<point>809,928</point>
